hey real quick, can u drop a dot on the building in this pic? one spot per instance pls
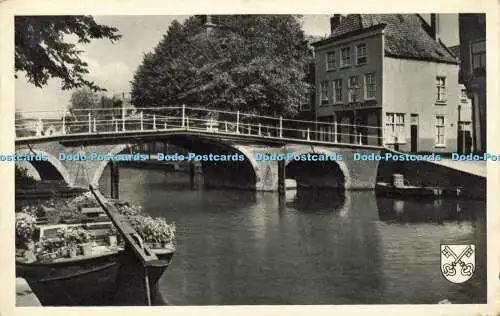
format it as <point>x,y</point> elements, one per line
<point>472,30</point>
<point>387,79</point>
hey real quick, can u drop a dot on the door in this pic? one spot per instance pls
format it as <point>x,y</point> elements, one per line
<point>414,133</point>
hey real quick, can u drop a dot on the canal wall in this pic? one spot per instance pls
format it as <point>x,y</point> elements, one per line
<point>425,173</point>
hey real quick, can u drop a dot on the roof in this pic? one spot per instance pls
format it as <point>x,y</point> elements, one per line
<point>455,50</point>
<point>406,35</point>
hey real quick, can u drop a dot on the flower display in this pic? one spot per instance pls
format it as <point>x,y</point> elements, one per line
<point>154,230</point>
<point>85,200</point>
<point>25,227</point>
<point>75,235</point>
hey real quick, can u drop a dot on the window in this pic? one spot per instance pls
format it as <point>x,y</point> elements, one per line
<point>330,60</point>
<point>463,95</point>
<point>361,54</point>
<point>324,93</point>
<point>478,51</point>
<point>353,89</point>
<point>346,57</point>
<point>395,128</point>
<point>337,91</point>
<point>305,104</point>
<point>440,89</point>
<point>370,86</point>
<point>440,136</point>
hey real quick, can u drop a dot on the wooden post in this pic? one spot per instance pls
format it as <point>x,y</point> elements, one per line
<point>154,121</point>
<point>142,121</point>
<point>90,124</point>
<point>260,127</point>
<point>95,129</point>
<point>116,124</point>
<point>249,129</point>
<point>165,125</point>
<point>281,177</point>
<point>115,179</point>
<point>187,122</point>
<point>225,124</point>
<point>308,136</point>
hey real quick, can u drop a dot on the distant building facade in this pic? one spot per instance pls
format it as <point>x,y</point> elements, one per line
<point>472,30</point>
<point>390,71</point>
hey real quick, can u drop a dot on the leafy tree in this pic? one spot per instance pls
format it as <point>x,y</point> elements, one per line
<point>252,63</point>
<point>42,50</point>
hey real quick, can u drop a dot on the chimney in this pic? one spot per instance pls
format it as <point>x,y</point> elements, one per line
<point>435,26</point>
<point>335,20</point>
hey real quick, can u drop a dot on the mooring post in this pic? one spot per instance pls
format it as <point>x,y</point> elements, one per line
<point>115,178</point>
<point>281,178</point>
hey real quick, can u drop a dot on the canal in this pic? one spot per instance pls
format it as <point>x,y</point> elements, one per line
<point>245,248</point>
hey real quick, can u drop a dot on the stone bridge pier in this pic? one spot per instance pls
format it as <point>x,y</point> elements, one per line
<point>251,174</point>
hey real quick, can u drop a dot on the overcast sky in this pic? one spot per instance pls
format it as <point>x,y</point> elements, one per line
<point>112,65</point>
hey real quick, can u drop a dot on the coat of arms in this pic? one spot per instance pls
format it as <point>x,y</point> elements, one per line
<point>458,262</point>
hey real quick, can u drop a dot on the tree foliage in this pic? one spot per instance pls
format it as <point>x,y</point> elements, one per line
<point>42,49</point>
<point>251,63</point>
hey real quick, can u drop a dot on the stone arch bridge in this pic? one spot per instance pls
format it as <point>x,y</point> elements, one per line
<point>251,173</point>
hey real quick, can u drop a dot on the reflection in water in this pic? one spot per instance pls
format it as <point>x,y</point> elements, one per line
<point>238,247</point>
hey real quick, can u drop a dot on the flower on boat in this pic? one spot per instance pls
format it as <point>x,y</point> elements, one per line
<point>154,230</point>
<point>25,227</point>
<point>75,235</point>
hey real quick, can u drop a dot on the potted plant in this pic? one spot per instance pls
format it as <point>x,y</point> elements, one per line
<point>76,238</point>
<point>25,228</point>
<point>113,236</point>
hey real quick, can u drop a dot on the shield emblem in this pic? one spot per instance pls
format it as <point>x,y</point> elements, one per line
<point>458,262</point>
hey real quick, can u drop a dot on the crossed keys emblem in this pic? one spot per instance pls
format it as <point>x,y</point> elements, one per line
<point>457,268</point>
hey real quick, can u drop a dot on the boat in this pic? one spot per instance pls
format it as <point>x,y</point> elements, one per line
<point>90,279</point>
<point>111,272</point>
<point>400,188</point>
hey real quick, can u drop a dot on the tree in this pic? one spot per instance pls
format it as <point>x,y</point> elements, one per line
<point>42,50</point>
<point>251,63</point>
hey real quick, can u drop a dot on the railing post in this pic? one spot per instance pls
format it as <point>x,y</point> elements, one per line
<point>308,136</point>
<point>90,124</point>
<point>95,129</point>
<point>249,129</point>
<point>360,139</point>
<point>183,115</point>
<point>142,121</point>
<point>260,127</point>
<point>64,125</point>
<point>165,125</point>
<point>123,123</point>
<point>225,124</point>
<point>237,122</point>
<point>187,122</point>
<point>335,130</point>
<point>154,121</point>
<point>39,127</point>
<point>281,126</point>
<point>116,124</point>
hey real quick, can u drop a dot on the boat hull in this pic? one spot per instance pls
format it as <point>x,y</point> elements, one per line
<point>115,279</point>
<point>83,282</point>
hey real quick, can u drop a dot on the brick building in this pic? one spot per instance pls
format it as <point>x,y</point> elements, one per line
<point>390,71</point>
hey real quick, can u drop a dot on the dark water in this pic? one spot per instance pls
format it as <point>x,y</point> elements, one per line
<point>317,248</point>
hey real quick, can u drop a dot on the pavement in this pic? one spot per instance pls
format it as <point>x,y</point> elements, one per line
<point>477,168</point>
<point>24,294</point>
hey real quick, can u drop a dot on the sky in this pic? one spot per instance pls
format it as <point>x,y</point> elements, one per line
<point>112,65</point>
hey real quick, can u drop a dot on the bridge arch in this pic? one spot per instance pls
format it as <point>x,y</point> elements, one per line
<point>337,169</point>
<point>102,165</point>
<point>51,169</point>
